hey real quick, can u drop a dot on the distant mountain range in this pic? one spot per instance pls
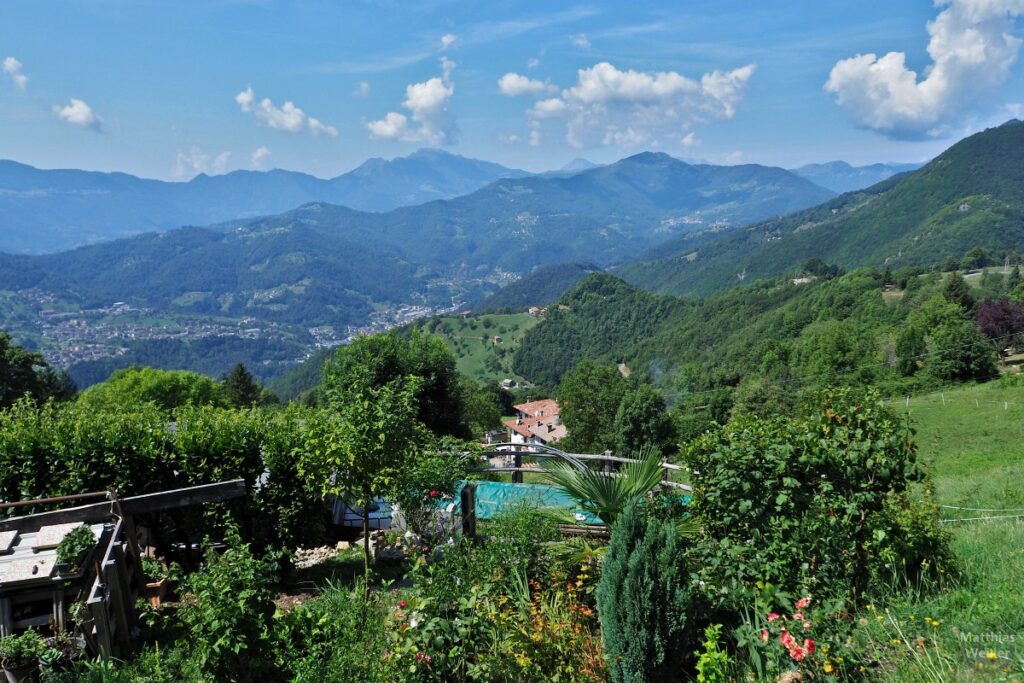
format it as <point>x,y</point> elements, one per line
<point>54,210</point>
<point>970,195</point>
<point>840,176</point>
<point>313,263</point>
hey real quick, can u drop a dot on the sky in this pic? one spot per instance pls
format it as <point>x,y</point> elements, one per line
<point>168,89</point>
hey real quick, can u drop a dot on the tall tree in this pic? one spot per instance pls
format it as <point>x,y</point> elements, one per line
<point>643,422</point>
<point>26,372</point>
<point>361,444</point>
<point>1001,321</point>
<point>957,291</point>
<point>242,388</point>
<point>167,389</point>
<point>378,360</point>
<point>589,399</point>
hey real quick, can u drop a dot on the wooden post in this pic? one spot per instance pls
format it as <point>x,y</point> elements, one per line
<point>517,476</point>
<point>6,624</point>
<point>468,501</point>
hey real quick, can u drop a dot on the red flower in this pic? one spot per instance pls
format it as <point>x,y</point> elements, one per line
<point>764,635</point>
<point>803,603</point>
<point>809,646</point>
<point>773,616</point>
<point>402,604</point>
<point>797,653</point>
<point>786,639</point>
<point>433,493</point>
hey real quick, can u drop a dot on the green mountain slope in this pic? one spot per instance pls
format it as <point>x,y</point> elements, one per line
<point>971,195</point>
<point>291,273</point>
<point>541,287</point>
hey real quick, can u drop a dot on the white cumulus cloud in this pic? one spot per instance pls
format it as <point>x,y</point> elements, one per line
<point>429,120</point>
<point>79,113</point>
<point>197,161</point>
<point>514,85</point>
<point>609,106</point>
<point>13,68</point>
<point>972,48</point>
<point>287,117</point>
<point>259,156</point>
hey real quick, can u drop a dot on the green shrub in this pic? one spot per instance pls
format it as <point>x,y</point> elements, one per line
<point>340,636</point>
<point>712,662</point>
<point>818,504</point>
<point>644,600</point>
<point>228,624</point>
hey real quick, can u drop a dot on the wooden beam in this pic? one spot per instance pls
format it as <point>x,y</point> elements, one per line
<point>135,505</point>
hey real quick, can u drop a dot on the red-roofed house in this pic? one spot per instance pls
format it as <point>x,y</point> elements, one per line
<point>536,422</point>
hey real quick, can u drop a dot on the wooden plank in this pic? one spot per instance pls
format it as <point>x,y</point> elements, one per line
<point>116,601</point>
<point>146,503</point>
<point>179,498</point>
<point>98,609</point>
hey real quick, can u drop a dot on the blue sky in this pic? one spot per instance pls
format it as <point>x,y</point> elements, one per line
<point>166,89</point>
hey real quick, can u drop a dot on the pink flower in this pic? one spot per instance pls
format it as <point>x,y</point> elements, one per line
<point>773,616</point>
<point>797,653</point>
<point>787,640</point>
<point>799,616</point>
<point>809,646</point>
<point>764,635</point>
<point>402,604</point>
<point>803,603</point>
<point>807,624</point>
<point>433,493</point>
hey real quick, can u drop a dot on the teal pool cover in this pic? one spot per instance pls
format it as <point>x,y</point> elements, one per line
<point>495,497</point>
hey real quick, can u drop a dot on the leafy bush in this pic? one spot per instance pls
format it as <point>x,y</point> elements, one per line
<point>228,622</point>
<point>810,504</point>
<point>341,635</point>
<point>644,600</point>
<point>431,477</point>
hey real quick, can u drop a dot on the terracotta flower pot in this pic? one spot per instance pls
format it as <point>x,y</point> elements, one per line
<point>156,592</point>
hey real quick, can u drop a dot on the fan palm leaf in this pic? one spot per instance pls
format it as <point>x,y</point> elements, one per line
<point>607,495</point>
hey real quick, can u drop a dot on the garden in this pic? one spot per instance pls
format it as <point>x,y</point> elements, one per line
<point>813,546</point>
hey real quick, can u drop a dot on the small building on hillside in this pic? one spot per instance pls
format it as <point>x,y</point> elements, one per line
<point>536,422</point>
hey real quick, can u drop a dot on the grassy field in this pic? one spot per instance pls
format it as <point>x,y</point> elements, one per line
<point>972,440</point>
<point>472,340</point>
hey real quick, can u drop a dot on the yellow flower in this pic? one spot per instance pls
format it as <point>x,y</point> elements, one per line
<point>895,641</point>
<point>991,656</point>
<point>828,667</point>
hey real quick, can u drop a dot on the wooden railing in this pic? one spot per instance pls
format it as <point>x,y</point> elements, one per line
<point>519,451</point>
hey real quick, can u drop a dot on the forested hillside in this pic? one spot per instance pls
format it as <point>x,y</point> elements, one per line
<point>969,196</point>
<point>776,338</point>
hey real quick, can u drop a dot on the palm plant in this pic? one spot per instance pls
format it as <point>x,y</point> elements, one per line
<point>607,495</point>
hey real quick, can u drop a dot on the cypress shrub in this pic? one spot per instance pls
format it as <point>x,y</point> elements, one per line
<point>643,599</point>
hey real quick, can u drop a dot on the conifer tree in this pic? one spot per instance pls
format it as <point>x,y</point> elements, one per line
<point>242,388</point>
